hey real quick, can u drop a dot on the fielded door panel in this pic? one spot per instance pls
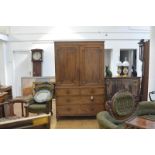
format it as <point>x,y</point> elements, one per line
<point>91,65</point>
<point>67,65</point>
<point>22,68</point>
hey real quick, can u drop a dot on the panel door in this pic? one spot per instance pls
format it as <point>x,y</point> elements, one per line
<point>67,64</point>
<point>22,68</point>
<point>91,64</point>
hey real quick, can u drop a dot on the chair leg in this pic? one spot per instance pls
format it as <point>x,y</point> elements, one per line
<point>27,112</point>
<point>51,111</point>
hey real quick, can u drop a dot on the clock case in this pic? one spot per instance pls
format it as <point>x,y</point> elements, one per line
<point>37,64</point>
<point>34,51</point>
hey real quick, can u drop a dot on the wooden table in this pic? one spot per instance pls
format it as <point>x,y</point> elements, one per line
<point>22,100</point>
<point>140,123</point>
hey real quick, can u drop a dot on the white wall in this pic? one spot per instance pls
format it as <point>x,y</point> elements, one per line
<point>116,38</point>
<point>3,64</point>
<point>152,61</point>
<point>116,45</point>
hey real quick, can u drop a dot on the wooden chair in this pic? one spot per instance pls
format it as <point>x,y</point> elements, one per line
<point>122,105</point>
<point>118,110</point>
<point>41,101</point>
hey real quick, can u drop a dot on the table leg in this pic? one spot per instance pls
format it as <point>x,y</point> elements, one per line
<point>22,107</point>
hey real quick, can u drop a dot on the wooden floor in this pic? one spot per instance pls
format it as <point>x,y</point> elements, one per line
<point>67,123</point>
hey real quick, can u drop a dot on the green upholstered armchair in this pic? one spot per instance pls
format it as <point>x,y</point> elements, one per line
<point>146,109</point>
<point>119,109</point>
<point>41,102</point>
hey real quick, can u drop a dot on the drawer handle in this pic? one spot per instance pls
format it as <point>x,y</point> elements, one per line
<point>91,98</point>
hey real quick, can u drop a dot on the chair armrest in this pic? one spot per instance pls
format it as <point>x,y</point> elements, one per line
<point>151,93</point>
<point>21,99</point>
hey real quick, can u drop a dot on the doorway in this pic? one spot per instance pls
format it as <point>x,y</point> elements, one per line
<point>131,56</point>
<point>22,67</point>
<point>107,59</point>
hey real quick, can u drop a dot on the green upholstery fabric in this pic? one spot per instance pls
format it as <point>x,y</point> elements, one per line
<point>123,103</point>
<point>106,121</point>
<point>145,108</point>
<point>36,108</point>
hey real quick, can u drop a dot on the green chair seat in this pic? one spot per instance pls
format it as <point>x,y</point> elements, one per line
<point>145,108</point>
<point>106,121</point>
<point>37,108</point>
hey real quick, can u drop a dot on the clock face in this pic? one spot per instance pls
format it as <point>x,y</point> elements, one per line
<point>36,56</point>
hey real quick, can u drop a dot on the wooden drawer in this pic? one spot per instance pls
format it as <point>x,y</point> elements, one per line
<point>79,110</point>
<point>67,91</point>
<point>79,100</point>
<point>92,91</point>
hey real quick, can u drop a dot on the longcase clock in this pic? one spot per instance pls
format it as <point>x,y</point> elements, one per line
<point>37,59</point>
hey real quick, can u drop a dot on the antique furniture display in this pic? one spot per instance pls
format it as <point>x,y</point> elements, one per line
<point>119,109</point>
<point>41,102</point>
<point>37,58</point>
<point>27,84</point>
<point>6,109</point>
<point>113,85</point>
<point>144,50</point>
<point>33,122</point>
<point>142,116</point>
<point>79,78</point>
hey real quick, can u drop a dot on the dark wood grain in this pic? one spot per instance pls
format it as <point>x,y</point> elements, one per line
<point>145,71</point>
<point>113,85</point>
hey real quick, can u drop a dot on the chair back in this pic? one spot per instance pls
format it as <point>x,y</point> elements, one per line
<point>152,95</point>
<point>41,88</point>
<point>122,105</point>
<point>42,85</point>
